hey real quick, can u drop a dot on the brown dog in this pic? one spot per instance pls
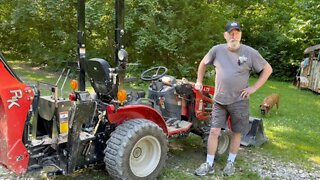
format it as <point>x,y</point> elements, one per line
<point>269,102</point>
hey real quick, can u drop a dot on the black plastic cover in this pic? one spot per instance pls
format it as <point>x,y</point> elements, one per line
<point>98,72</point>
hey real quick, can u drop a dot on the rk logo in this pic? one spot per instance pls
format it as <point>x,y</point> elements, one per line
<point>14,100</point>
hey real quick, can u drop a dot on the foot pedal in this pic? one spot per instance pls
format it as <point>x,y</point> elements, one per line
<point>179,127</point>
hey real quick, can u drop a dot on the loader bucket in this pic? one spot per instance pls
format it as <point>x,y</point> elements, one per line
<point>254,134</point>
<point>15,101</point>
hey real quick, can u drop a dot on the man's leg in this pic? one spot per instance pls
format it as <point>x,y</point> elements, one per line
<point>208,166</point>
<point>239,113</point>
<point>213,140</point>
<point>212,144</point>
<point>235,142</point>
<point>234,146</point>
<point>218,120</point>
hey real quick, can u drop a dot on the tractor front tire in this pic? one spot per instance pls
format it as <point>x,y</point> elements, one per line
<point>224,142</point>
<point>137,149</point>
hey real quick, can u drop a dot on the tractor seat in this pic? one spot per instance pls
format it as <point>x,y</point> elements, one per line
<point>98,72</point>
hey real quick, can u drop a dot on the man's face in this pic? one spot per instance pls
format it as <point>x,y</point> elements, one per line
<point>233,39</point>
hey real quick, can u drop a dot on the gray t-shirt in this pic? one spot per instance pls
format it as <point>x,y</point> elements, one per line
<point>233,70</point>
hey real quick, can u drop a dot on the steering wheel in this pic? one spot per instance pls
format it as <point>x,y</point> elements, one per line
<point>154,73</point>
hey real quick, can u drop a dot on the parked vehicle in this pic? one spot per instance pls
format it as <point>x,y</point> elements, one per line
<point>308,76</point>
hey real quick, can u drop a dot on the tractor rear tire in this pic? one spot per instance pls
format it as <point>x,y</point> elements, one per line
<point>137,149</point>
<point>224,142</point>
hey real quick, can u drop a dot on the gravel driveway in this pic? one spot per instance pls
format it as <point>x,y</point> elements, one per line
<point>272,168</point>
<point>266,166</point>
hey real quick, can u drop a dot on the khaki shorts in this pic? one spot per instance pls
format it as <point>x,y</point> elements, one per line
<point>239,115</point>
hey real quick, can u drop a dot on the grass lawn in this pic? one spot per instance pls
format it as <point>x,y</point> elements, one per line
<point>293,131</point>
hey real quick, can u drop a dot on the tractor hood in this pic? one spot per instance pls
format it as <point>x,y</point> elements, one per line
<point>15,101</point>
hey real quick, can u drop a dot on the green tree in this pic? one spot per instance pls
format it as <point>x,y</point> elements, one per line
<point>174,33</point>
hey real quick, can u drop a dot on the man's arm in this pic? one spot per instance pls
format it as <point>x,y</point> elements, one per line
<point>266,72</point>
<point>200,74</point>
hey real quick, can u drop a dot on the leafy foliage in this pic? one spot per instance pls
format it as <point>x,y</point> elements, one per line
<point>173,33</point>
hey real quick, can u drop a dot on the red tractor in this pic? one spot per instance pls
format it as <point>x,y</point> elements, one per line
<point>129,134</point>
<point>124,130</point>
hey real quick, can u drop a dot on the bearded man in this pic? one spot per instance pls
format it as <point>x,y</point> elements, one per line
<point>233,64</point>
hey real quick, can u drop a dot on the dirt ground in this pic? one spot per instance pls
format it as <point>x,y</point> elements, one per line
<point>186,154</point>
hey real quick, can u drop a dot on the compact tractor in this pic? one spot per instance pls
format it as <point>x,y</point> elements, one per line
<point>126,131</point>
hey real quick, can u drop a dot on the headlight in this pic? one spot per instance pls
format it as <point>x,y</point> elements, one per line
<point>122,55</point>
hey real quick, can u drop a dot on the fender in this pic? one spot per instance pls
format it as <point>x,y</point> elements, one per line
<point>15,101</point>
<point>136,111</point>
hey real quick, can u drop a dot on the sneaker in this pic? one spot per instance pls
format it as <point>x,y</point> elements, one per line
<point>204,169</point>
<point>229,169</point>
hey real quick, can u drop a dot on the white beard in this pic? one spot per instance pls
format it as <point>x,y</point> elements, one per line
<point>233,45</point>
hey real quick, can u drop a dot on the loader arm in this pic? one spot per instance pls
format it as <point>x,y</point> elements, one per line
<point>15,101</point>
<point>201,112</point>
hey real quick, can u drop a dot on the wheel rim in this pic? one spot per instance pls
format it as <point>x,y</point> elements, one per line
<point>145,156</point>
<point>223,143</point>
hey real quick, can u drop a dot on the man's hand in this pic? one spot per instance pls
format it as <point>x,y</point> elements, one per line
<point>245,93</point>
<point>198,86</point>
<point>264,75</point>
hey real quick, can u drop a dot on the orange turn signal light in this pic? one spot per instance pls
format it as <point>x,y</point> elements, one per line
<point>74,84</point>
<point>122,95</point>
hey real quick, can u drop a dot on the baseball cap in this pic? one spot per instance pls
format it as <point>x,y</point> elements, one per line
<point>232,25</point>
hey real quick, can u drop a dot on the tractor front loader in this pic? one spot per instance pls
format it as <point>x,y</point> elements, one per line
<point>15,101</point>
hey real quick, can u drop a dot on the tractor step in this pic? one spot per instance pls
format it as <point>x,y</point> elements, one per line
<point>179,127</point>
